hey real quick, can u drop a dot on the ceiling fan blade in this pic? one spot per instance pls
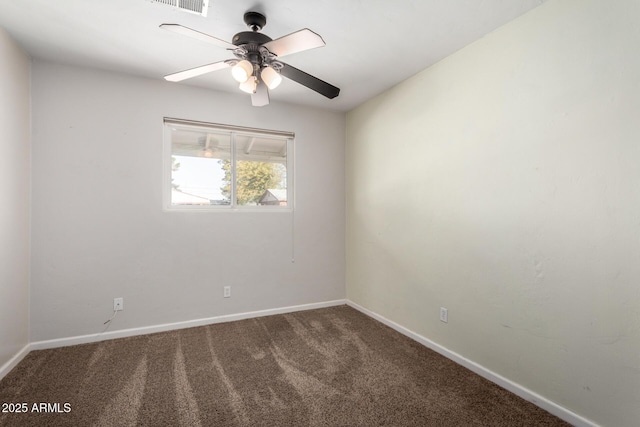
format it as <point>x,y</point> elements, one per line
<point>194,72</point>
<point>295,42</point>
<point>261,96</point>
<point>177,28</point>
<point>313,83</point>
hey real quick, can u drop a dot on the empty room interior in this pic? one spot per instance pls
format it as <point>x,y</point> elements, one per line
<point>320,213</point>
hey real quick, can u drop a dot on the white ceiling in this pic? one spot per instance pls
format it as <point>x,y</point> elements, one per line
<point>371,44</point>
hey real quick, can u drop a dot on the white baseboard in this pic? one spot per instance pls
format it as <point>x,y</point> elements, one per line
<point>7,367</point>
<point>515,388</point>
<point>84,339</point>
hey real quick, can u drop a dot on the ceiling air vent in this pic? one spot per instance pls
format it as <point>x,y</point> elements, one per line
<point>192,6</point>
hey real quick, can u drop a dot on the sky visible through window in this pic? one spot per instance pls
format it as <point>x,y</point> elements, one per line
<point>199,176</point>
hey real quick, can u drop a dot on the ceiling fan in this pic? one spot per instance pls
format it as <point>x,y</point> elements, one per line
<point>257,66</point>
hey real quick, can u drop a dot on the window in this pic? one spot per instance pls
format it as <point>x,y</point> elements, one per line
<point>218,167</point>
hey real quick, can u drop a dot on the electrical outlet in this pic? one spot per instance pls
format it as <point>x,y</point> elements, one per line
<point>227,291</point>
<point>444,315</point>
<point>118,304</point>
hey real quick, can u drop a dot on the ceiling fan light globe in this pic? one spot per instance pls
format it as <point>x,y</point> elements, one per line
<point>271,77</point>
<point>250,85</point>
<point>242,71</point>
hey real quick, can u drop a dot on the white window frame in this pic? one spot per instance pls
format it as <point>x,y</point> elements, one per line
<point>233,131</point>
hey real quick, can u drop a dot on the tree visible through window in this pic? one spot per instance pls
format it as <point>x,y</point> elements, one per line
<point>218,166</point>
<point>253,179</point>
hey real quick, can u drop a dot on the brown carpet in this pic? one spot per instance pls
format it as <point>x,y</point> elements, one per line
<point>326,367</point>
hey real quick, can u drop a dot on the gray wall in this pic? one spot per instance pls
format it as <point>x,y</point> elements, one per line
<point>504,184</point>
<point>15,187</point>
<point>99,230</point>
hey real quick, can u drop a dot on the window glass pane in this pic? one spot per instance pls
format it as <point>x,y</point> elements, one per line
<point>200,172</point>
<point>261,172</point>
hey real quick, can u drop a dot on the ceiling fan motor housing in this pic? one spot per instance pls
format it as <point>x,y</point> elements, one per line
<point>250,37</point>
<point>250,41</point>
